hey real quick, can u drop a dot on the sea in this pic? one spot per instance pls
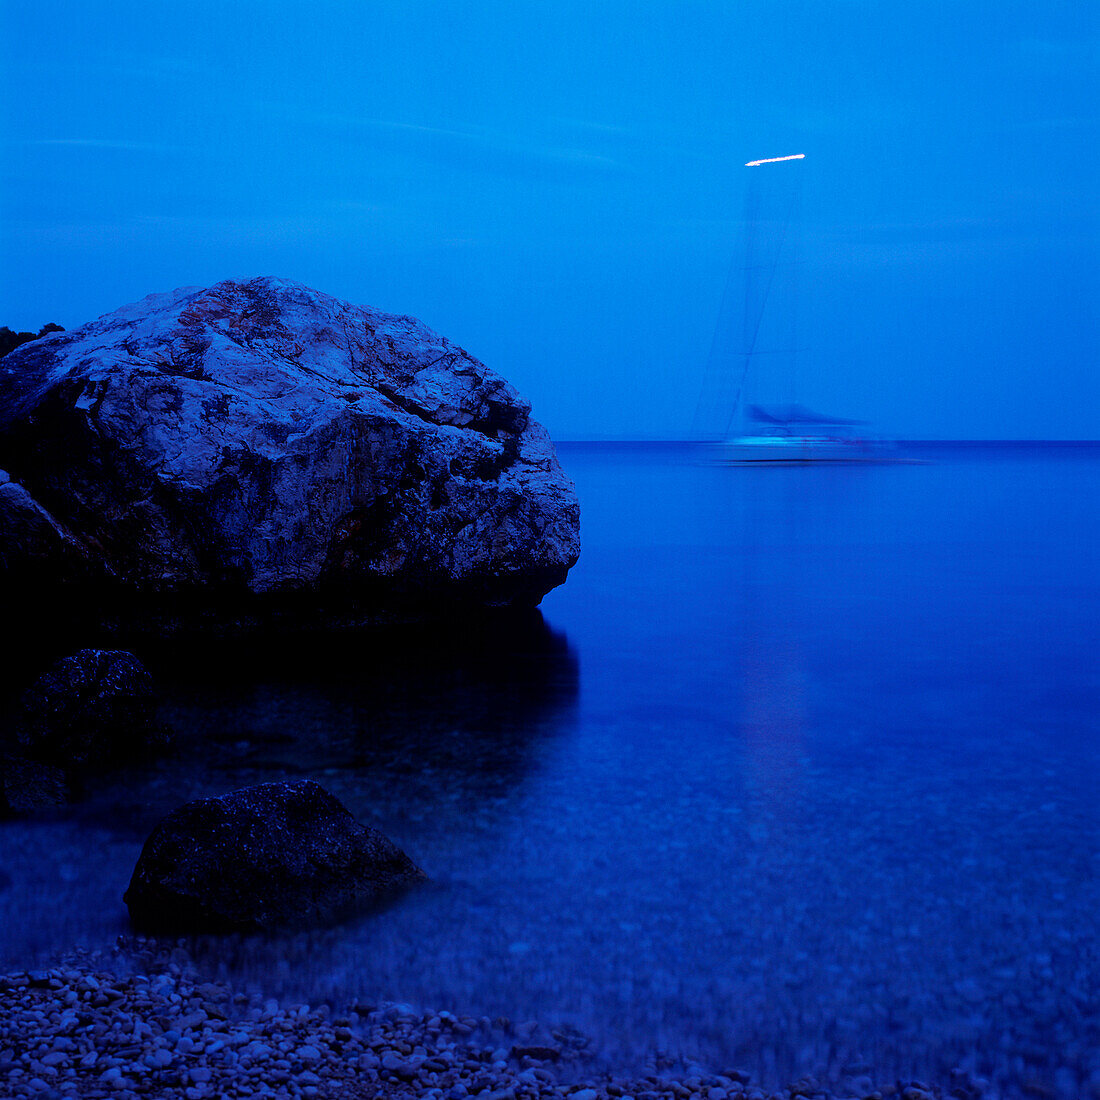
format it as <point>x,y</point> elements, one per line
<point>798,773</point>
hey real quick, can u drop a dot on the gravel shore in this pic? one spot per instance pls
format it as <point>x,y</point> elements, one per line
<point>86,1030</point>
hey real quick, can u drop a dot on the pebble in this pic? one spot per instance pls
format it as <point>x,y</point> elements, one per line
<point>164,1034</point>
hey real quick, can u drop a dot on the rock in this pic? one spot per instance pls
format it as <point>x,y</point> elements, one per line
<point>259,449</point>
<point>278,854</point>
<point>542,1053</point>
<point>90,708</point>
<point>29,785</point>
<point>34,548</point>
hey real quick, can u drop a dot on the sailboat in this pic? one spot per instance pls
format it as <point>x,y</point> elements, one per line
<point>793,433</point>
<point>772,434</point>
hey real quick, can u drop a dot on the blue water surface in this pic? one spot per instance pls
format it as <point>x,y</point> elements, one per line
<point>797,773</point>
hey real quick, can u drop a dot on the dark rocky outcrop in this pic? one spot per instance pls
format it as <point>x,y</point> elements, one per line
<point>258,448</point>
<point>10,340</point>
<point>91,708</point>
<point>275,855</point>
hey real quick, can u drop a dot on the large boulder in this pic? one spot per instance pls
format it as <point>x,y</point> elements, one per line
<point>275,855</point>
<point>263,445</point>
<point>91,708</point>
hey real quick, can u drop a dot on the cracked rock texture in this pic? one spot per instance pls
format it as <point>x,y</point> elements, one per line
<point>264,441</point>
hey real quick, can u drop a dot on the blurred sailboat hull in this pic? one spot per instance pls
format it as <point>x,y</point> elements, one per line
<point>802,449</point>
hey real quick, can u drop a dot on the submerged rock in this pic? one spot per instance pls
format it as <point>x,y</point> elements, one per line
<point>29,785</point>
<point>263,443</point>
<point>93,707</point>
<point>278,854</point>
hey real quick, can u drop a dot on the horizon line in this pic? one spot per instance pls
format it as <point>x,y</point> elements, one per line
<point>892,439</point>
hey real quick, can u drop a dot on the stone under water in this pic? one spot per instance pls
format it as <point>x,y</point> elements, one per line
<point>269,856</point>
<point>95,706</point>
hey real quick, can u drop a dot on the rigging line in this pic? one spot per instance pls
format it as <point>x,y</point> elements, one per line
<point>719,370</point>
<point>759,319</point>
<point>712,375</point>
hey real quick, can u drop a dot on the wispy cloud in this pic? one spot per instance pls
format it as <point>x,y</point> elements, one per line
<point>104,143</point>
<point>500,143</point>
<point>503,147</point>
<point>1086,48</point>
<point>1052,124</point>
<point>125,65</point>
<point>590,125</point>
<point>473,147</point>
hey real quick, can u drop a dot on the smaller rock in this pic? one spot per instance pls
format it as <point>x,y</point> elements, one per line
<point>29,785</point>
<point>543,1054</point>
<point>273,855</point>
<point>90,708</point>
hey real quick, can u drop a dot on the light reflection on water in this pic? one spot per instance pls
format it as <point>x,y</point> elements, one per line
<point>799,772</point>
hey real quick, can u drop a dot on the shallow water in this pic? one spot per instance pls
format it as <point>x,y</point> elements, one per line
<point>798,772</point>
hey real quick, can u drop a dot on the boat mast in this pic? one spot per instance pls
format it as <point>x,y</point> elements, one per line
<point>724,384</point>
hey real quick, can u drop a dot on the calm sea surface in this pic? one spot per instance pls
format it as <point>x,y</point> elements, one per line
<point>800,771</point>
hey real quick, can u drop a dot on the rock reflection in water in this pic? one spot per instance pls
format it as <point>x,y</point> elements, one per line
<point>400,723</point>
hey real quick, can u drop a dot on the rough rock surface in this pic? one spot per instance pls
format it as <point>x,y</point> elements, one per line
<point>262,439</point>
<point>278,854</point>
<point>93,707</point>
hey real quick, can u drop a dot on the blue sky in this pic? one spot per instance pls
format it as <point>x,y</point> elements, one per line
<point>559,187</point>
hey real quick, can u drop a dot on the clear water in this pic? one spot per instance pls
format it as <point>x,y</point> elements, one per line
<point>798,772</point>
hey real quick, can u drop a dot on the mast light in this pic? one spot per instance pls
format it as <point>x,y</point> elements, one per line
<point>775,160</point>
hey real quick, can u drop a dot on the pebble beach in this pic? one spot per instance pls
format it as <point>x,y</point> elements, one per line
<point>85,1030</point>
